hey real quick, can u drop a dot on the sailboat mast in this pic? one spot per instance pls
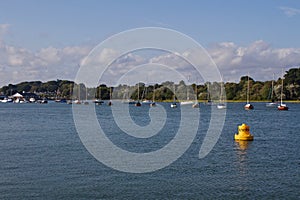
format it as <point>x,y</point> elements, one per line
<point>272,87</point>
<point>187,90</point>
<point>153,98</point>
<point>86,93</point>
<point>174,98</point>
<point>248,88</point>
<point>79,92</point>
<point>281,91</point>
<point>138,91</point>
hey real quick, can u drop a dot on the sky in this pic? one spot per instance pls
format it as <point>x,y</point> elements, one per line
<point>48,40</point>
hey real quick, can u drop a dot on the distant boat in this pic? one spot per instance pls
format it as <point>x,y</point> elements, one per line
<point>44,101</point>
<point>153,104</point>
<point>272,103</point>
<point>138,103</point>
<point>187,101</point>
<point>110,97</point>
<point>248,106</point>
<point>209,102</point>
<point>196,104</point>
<point>86,97</point>
<point>146,101</point>
<point>221,104</point>
<point>6,100</point>
<point>174,104</point>
<point>126,98</point>
<point>32,100</point>
<point>77,101</point>
<point>98,102</point>
<point>282,106</point>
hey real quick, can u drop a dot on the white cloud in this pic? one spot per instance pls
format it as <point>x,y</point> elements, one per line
<point>3,30</point>
<point>259,58</point>
<point>290,12</point>
<point>19,64</point>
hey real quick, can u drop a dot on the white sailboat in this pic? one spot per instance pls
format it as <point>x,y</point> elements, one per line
<point>248,106</point>
<point>110,97</point>
<point>209,101</point>
<point>98,101</point>
<point>86,96</point>
<point>138,103</point>
<point>187,101</point>
<point>196,104</point>
<point>221,104</point>
<point>282,106</point>
<point>152,104</point>
<point>174,105</point>
<point>77,101</point>
<point>272,103</point>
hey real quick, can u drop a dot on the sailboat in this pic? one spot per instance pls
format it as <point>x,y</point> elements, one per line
<point>152,104</point>
<point>77,101</point>
<point>98,100</point>
<point>248,106</point>
<point>272,103</point>
<point>174,105</point>
<point>221,104</point>
<point>187,101</point>
<point>144,94</point>
<point>110,95</point>
<point>196,104</point>
<point>138,103</point>
<point>70,100</point>
<point>282,106</point>
<point>209,101</point>
<point>86,97</point>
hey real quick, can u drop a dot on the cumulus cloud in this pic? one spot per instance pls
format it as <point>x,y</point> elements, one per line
<point>290,12</point>
<point>19,64</point>
<point>259,58</point>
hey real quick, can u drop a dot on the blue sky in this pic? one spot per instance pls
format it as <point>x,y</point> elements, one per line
<point>40,26</point>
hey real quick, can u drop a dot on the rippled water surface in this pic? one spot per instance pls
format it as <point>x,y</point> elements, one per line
<point>42,157</point>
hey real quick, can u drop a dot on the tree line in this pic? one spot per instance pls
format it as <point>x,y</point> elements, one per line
<point>259,90</point>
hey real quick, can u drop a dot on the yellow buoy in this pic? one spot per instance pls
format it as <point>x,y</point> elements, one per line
<point>244,133</point>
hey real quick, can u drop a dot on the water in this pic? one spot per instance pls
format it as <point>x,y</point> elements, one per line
<point>42,156</point>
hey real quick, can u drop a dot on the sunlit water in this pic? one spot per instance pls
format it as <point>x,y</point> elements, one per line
<point>42,157</point>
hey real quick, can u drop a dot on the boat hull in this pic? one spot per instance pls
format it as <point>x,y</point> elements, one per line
<point>272,104</point>
<point>221,106</point>
<point>186,103</point>
<point>173,105</point>
<point>249,106</point>
<point>282,108</point>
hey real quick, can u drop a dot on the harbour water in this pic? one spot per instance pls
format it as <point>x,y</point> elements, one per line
<point>42,156</point>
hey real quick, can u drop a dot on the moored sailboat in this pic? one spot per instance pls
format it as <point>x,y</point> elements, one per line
<point>248,106</point>
<point>272,103</point>
<point>153,104</point>
<point>138,103</point>
<point>187,101</point>
<point>282,106</point>
<point>221,104</point>
<point>174,104</point>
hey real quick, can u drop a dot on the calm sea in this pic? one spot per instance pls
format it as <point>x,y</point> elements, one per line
<point>42,157</point>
